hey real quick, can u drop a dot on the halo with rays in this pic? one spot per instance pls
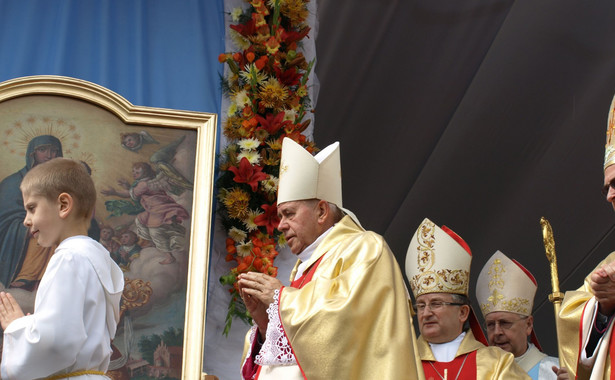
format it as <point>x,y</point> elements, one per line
<point>87,158</point>
<point>15,138</point>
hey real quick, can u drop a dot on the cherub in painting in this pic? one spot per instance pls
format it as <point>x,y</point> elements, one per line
<point>160,218</point>
<point>134,141</point>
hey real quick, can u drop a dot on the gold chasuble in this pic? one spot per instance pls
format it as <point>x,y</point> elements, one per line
<point>473,360</point>
<point>575,323</point>
<point>352,320</point>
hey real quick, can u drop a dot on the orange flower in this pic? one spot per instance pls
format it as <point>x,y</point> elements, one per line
<point>261,62</point>
<point>260,7</point>
<point>272,271</point>
<point>272,45</point>
<point>249,125</point>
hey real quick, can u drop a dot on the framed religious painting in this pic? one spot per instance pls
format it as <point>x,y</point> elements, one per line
<point>153,170</point>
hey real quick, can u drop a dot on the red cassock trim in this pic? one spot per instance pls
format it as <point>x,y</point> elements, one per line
<point>298,284</point>
<point>468,371</point>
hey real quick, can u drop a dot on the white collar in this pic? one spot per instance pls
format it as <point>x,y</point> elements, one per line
<point>445,352</point>
<point>307,253</point>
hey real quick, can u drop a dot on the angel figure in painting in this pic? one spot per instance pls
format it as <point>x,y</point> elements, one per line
<point>107,238</point>
<point>134,141</point>
<point>159,217</point>
<point>128,250</point>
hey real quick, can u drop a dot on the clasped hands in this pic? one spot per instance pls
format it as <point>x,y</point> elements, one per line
<point>257,287</point>
<point>257,290</point>
<point>9,310</point>
<point>602,283</point>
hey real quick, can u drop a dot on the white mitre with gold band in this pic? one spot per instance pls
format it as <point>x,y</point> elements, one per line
<point>438,261</point>
<point>303,176</point>
<point>505,285</point>
<point>609,152</point>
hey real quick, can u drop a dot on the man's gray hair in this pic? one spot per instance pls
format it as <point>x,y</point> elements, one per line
<point>337,212</point>
<point>460,298</point>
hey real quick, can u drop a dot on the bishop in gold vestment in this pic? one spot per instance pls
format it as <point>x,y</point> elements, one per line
<point>577,320</point>
<point>585,328</point>
<point>438,268</point>
<point>346,313</point>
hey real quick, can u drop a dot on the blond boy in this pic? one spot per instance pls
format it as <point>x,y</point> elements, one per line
<point>76,309</point>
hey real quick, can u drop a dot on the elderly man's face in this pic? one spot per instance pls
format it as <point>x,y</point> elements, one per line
<point>440,322</point>
<point>299,223</point>
<point>608,190</point>
<point>509,331</point>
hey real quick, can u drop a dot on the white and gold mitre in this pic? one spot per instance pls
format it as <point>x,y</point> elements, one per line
<point>438,261</point>
<point>505,285</point>
<point>609,151</point>
<point>303,176</point>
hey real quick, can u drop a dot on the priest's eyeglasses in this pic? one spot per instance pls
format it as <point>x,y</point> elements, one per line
<point>607,187</point>
<point>434,306</point>
<point>504,324</point>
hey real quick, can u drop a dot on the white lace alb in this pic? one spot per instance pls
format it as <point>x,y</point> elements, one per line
<point>275,350</point>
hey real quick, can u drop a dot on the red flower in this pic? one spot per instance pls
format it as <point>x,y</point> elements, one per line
<point>248,173</point>
<point>269,219</point>
<point>289,77</point>
<point>271,123</point>
<point>247,29</point>
<point>290,36</point>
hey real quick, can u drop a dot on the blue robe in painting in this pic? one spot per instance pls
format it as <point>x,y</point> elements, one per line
<point>13,234</point>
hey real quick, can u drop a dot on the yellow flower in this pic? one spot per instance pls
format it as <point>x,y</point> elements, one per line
<point>240,41</point>
<point>270,157</point>
<point>241,98</point>
<point>258,39</point>
<point>249,220</point>
<point>295,10</point>
<point>270,184</point>
<point>237,235</point>
<point>232,109</point>
<point>301,91</point>
<point>275,3</point>
<point>236,202</point>
<point>273,94</point>
<point>251,155</point>
<point>252,73</point>
<point>274,144</point>
<point>232,127</point>
<point>290,115</point>
<point>244,249</point>
<point>236,13</point>
<point>261,134</point>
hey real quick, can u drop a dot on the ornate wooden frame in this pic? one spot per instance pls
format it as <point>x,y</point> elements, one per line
<point>204,124</point>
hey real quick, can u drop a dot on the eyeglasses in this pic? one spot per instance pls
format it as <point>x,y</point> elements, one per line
<point>435,305</point>
<point>610,185</point>
<point>504,324</point>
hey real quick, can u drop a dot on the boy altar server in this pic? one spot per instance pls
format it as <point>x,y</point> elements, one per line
<point>438,269</point>
<point>76,309</point>
<point>346,313</point>
<point>505,291</point>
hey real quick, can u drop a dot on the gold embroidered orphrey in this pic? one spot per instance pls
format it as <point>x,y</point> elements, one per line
<point>283,169</point>
<point>435,281</point>
<point>496,284</point>
<point>609,152</point>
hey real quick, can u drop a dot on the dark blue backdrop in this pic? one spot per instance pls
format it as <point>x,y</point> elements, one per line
<point>159,53</point>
